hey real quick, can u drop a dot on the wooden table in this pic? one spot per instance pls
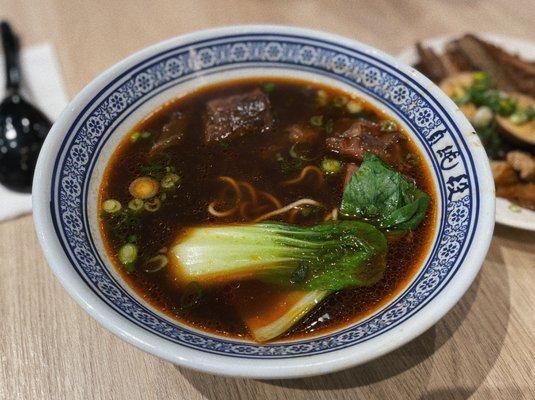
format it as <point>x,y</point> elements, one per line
<point>50,349</point>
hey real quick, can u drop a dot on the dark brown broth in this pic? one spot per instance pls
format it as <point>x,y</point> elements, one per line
<point>200,165</point>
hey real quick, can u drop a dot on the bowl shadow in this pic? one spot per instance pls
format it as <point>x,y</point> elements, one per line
<point>448,361</point>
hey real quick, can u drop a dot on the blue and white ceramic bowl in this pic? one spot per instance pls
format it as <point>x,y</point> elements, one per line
<point>77,150</point>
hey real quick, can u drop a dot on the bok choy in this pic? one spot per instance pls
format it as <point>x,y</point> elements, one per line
<point>383,197</point>
<point>329,256</point>
<point>281,314</point>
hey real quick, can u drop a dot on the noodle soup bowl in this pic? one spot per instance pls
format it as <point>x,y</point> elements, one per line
<point>81,142</point>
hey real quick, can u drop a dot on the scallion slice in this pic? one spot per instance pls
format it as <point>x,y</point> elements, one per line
<point>170,180</point>
<point>136,204</point>
<point>127,254</point>
<point>153,204</point>
<point>111,206</point>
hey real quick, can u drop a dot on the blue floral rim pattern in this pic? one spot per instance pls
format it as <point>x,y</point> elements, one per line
<point>410,102</point>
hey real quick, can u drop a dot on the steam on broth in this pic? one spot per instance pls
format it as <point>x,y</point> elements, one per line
<point>267,209</point>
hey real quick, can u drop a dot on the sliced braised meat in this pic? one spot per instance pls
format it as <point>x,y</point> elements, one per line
<point>469,53</point>
<point>522,194</point>
<point>363,136</point>
<point>236,116</point>
<point>430,63</point>
<point>476,52</point>
<point>457,57</point>
<point>303,134</point>
<point>520,72</point>
<point>503,173</point>
<point>171,134</point>
<point>523,163</point>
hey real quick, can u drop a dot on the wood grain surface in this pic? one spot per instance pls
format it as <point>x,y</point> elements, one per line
<point>50,349</point>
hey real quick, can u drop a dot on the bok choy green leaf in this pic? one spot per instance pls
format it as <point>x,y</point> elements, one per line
<point>383,197</point>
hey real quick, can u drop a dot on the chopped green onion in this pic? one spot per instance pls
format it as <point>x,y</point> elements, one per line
<point>331,166</point>
<point>322,97</point>
<point>133,238</point>
<point>389,126</point>
<point>413,159</point>
<point>155,263</point>
<point>354,107</point>
<point>163,196</point>
<point>146,135</point>
<point>153,204</point>
<point>111,206</point>
<point>170,180</point>
<point>482,80</point>
<point>316,120</point>
<point>340,101</point>
<point>127,254</point>
<point>136,204</point>
<point>268,87</point>
<point>506,107</point>
<point>519,117</point>
<point>134,136</point>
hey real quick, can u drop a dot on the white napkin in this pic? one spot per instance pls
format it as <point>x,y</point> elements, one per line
<point>42,86</point>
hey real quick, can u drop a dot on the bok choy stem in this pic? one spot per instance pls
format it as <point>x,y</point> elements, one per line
<point>329,256</point>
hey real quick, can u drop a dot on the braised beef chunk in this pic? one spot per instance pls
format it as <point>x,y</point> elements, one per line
<point>171,133</point>
<point>235,116</point>
<point>350,169</point>
<point>303,134</point>
<point>363,136</point>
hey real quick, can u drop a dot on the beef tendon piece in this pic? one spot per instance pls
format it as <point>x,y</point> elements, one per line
<point>364,136</point>
<point>522,194</point>
<point>503,173</point>
<point>523,163</point>
<point>232,117</point>
<point>171,134</point>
